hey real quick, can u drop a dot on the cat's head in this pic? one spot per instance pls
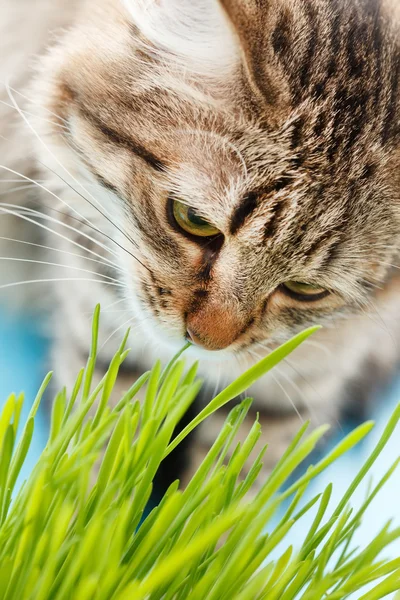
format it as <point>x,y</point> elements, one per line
<point>244,155</point>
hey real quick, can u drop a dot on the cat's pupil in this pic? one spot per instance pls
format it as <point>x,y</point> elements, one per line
<point>195,218</point>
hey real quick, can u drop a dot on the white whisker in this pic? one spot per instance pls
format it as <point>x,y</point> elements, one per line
<point>120,327</point>
<point>279,384</point>
<point>47,280</point>
<point>26,112</point>
<point>10,94</point>
<point>288,397</point>
<point>108,218</point>
<point>52,264</point>
<point>113,304</point>
<point>322,347</point>
<point>19,93</point>
<point>77,212</point>
<point>74,254</point>
<point>18,188</point>
<point>58,234</point>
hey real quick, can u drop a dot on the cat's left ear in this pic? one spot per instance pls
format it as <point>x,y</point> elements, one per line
<point>261,28</point>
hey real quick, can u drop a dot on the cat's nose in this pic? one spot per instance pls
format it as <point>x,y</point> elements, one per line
<point>213,328</point>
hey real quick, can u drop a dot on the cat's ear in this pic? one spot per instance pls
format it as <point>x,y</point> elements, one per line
<point>260,26</point>
<point>194,33</point>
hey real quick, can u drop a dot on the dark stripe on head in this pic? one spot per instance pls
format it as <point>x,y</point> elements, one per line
<point>308,58</point>
<point>297,133</point>
<point>281,36</point>
<point>356,58</point>
<point>369,170</point>
<point>272,225</point>
<point>120,139</point>
<point>390,125</point>
<point>320,124</point>
<point>323,247</point>
<point>333,48</point>
<point>241,213</point>
<point>333,254</point>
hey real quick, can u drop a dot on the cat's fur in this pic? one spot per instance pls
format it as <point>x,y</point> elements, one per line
<point>279,121</point>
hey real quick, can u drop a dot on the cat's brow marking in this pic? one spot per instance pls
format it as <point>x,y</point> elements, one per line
<point>251,201</point>
<point>121,140</point>
<point>241,213</point>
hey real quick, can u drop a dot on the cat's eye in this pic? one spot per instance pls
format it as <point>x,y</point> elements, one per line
<point>191,222</point>
<point>305,292</point>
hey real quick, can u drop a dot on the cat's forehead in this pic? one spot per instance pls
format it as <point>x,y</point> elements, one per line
<point>219,140</point>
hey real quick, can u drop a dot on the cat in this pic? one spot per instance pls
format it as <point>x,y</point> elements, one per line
<point>224,172</point>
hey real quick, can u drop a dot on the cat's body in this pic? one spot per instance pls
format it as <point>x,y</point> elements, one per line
<point>278,122</point>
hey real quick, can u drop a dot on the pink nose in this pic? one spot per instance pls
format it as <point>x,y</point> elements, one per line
<point>214,328</point>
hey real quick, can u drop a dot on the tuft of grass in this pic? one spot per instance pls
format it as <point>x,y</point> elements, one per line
<point>77,527</point>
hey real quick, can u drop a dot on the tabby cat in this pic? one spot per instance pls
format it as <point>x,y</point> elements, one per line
<point>224,172</point>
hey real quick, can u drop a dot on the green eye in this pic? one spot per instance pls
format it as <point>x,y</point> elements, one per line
<point>304,291</point>
<point>188,220</point>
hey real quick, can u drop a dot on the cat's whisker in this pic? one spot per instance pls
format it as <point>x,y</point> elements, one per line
<point>288,396</point>
<point>305,400</point>
<point>384,325</point>
<point>108,216</point>
<point>133,317</point>
<point>43,187</point>
<point>26,112</point>
<point>303,378</point>
<point>26,212</point>
<point>53,231</point>
<point>81,233</point>
<point>33,103</point>
<point>216,388</point>
<point>58,279</point>
<point>279,384</point>
<point>387,264</point>
<point>2,180</point>
<point>58,250</point>
<point>300,393</point>
<point>10,94</point>
<point>117,311</point>
<point>85,220</point>
<point>378,323</point>
<point>18,188</point>
<point>89,314</point>
<point>46,189</point>
<point>60,265</point>
<point>242,368</point>
<point>114,303</point>
<point>319,346</point>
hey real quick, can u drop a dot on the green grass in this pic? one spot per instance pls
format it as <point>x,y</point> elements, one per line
<point>72,530</point>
